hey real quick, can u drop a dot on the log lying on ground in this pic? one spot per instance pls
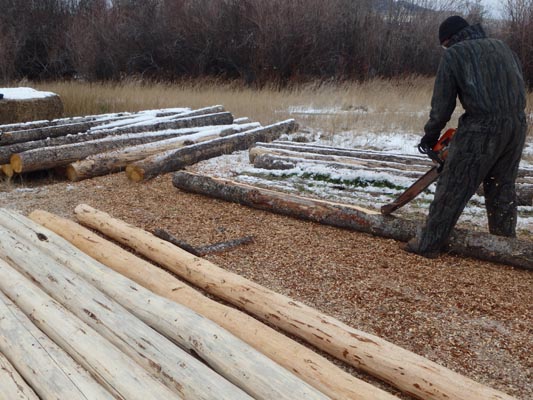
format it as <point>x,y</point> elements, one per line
<point>56,156</point>
<point>173,160</point>
<point>43,364</point>
<point>229,356</point>
<point>108,365</point>
<point>150,349</point>
<point>309,366</point>
<point>409,372</point>
<point>481,245</point>
<point>114,161</point>
<point>13,385</point>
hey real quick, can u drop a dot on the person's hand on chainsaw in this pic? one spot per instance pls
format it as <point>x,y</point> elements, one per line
<point>427,142</point>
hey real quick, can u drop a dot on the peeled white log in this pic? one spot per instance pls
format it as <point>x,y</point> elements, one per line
<point>51,372</point>
<point>182,373</point>
<point>106,363</point>
<point>407,371</point>
<point>238,362</point>
<point>308,365</point>
<point>12,384</point>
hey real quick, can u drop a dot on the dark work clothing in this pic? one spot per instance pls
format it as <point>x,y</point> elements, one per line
<point>486,76</point>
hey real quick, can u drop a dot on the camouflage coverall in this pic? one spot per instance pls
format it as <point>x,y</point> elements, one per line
<point>486,76</point>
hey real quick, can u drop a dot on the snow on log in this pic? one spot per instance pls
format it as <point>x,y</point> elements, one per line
<point>115,371</point>
<point>56,156</point>
<point>13,385</point>
<point>181,372</point>
<point>173,160</point>
<point>308,365</point>
<point>51,372</point>
<point>409,372</point>
<point>114,161</point>
<point>480,245</point>
<point>238,362</point>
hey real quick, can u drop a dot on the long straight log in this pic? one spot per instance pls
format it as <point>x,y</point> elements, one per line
<point>115,371</point>
<point>229,356</point>
<point>13,385</point>
<point>409,372</point>
<point>305,363</point>
<point>480,245</point>
<point>56,156</point>
<point>148,348</point>
<point>51,372</point>
<point>114,161</point>
<point>173,160</point>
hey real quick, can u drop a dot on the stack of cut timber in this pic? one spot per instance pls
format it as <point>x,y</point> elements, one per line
<point>409,372</point>
<point>73,328</point>
<point>287,155</point>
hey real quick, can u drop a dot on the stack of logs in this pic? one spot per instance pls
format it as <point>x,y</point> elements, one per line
<point>91,320</point>
<point>145,144</point>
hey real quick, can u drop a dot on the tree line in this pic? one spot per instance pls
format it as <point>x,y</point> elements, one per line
<point>255,41</point>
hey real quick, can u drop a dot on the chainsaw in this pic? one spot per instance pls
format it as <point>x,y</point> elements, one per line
<point>438,154</point>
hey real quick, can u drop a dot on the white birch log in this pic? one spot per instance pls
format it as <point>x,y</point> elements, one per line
<point>308,365</point>
<point>407,371</point>
<point>111,368</point>
<point>51,372</point>
<point>185,375</point>
<point>13,386</point>
<point>255,373</point>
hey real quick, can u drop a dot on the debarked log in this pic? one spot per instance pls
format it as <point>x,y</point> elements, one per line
<point>480,245</point>
<point>305,363</point>
<point>409,372</point>
<point>56,156</point>
<point>51,372</point>
<point>114,161</point>
<point>106,363</point>
<point>173,160</point>
<point>234,359</point>
<point>150,349</point>
<point>13,385</point>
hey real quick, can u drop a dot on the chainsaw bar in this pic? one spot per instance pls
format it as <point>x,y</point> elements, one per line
<point>414,190</point>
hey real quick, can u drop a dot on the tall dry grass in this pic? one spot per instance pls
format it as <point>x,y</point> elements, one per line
<point>400,105</point>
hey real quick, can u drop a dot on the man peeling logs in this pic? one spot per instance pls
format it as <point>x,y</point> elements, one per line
<point>487,78</point>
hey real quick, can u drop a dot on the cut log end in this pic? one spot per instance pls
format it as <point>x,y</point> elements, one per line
<point>72,174</point>
<point>16,163</point>
<point>135,174</point>
<point>7,170</point>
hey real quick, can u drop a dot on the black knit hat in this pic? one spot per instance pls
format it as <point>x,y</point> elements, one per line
<point>450,27</point>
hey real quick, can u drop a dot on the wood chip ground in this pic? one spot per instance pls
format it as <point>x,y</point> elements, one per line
<point>471,316</point>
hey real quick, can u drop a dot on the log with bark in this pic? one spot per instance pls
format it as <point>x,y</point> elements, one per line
<point>14,387</point>
<point>50,371</point>
<point>56,156</point>
<point>150,349</point>
<point>114,161</point>
<point>409,372</point>
<point>309,366</point>
<point>173,160</point>
<point>467,243</point>
<point>106,363</point>
<point>253,372</point>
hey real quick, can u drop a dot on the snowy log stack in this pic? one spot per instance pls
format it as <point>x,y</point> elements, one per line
<point>72,327</point>
<point>146,143</point>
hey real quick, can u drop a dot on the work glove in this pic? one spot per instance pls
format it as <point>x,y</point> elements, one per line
<point>427,142</point>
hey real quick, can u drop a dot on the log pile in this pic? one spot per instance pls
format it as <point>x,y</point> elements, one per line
<point>413,374</point>
<point>145,144</point>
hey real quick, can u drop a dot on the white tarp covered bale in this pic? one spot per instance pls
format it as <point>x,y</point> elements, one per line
<point>24,104</point>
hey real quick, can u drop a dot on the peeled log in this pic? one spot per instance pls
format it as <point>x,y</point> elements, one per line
<point>409,372</point>
<point>150,349</point>
<point>114,161</point>
<point>51,372</point>
<point>173,160</point>
<point>12,384</point>
<point>56,156</point>
<point>305,363</point>
<point>110,367</point>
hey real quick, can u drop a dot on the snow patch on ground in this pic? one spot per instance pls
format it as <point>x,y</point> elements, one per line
<point>24,93</point>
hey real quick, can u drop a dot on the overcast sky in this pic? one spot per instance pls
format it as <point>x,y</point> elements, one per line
<point>494,7</point>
